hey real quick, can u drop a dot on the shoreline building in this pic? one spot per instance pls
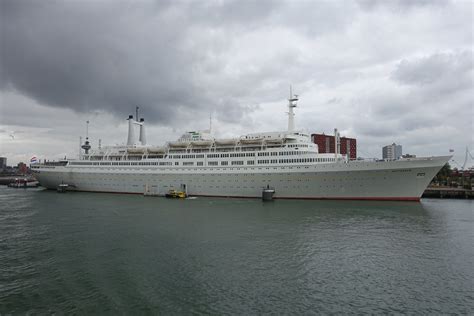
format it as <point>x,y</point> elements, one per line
<point>3,163</point>
<point>22,168</point>
<point>348,146</point>
<point>392,152</point>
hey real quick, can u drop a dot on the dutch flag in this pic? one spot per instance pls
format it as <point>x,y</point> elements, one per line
<point>34,159</point>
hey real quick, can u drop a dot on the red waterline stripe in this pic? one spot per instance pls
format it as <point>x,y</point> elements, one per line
<point>413,199</point>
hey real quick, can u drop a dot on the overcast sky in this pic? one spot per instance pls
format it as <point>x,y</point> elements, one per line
<point>380,71</point>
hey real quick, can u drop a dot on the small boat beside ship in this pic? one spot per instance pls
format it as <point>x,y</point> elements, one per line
<point>24,183</point>
<point>175,194</point>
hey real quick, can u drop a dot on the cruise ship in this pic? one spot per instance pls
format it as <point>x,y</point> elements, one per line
<point>287,161</point>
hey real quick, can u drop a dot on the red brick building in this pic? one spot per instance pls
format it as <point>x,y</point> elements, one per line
<point>326,145</point>
<point>22,168</point>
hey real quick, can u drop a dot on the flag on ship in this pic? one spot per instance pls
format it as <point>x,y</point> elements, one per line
<point>451,150</point>
<point>34,159</point>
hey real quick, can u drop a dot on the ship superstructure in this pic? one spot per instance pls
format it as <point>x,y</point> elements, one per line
<point>239,167</point>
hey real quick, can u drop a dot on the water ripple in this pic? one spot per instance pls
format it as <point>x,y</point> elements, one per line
<point>97,253</point>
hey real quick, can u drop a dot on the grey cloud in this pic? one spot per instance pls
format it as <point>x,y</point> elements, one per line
<point>318,18</point>
<point>379,130</point>
<point>416,121</point>
<point>86,56</point>
<point>115,55</point>
<point>313,18</point>
<point>422,94</point>
<point>334,100</point>
<point>234,111</point>
<point>237,13</point>
<point>449,67</point>
<point>399,4</point>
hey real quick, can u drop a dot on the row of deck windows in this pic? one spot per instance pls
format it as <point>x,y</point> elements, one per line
<point>192,156</point>
<point>282,153</point>
<point>201,163</point>
<point>186,156</point>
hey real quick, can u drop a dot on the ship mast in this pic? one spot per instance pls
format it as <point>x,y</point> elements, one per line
<point>291,115</point>
<point>86,145</point>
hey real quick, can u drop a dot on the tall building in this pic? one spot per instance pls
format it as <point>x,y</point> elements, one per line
<point>326,145</point>
<point>3,163</point>
<point>392,152</point>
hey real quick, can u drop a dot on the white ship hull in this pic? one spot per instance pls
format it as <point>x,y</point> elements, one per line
<point>358,180</point>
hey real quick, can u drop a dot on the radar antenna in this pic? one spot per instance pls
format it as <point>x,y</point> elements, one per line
<point>210,122</point>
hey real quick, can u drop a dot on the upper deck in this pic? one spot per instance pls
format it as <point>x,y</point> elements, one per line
<point>199,148</point>
<point>252,149</point>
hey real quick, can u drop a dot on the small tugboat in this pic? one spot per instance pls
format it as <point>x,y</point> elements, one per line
<point>24,183</point>
<point>174,194</point>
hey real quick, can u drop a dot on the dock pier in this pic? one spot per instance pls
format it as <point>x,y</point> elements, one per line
<point>447,193</point>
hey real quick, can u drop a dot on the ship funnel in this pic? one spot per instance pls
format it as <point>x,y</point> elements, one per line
<point>142,137</point>
<point>131,131</point>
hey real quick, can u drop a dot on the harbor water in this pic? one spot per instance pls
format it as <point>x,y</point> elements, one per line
<point>91,253</point>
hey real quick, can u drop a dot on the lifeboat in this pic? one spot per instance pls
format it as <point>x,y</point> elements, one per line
<point>226,141</point>
<point>179,144</point>
<point>136,150</point>
<point>156,150</point>
<point>201,142</point>
<point>251,140</point>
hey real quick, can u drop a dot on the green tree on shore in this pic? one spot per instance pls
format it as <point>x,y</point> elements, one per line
<point>443,175</point>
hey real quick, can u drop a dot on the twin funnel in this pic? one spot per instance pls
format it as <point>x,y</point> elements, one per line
<point>131,140</point>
